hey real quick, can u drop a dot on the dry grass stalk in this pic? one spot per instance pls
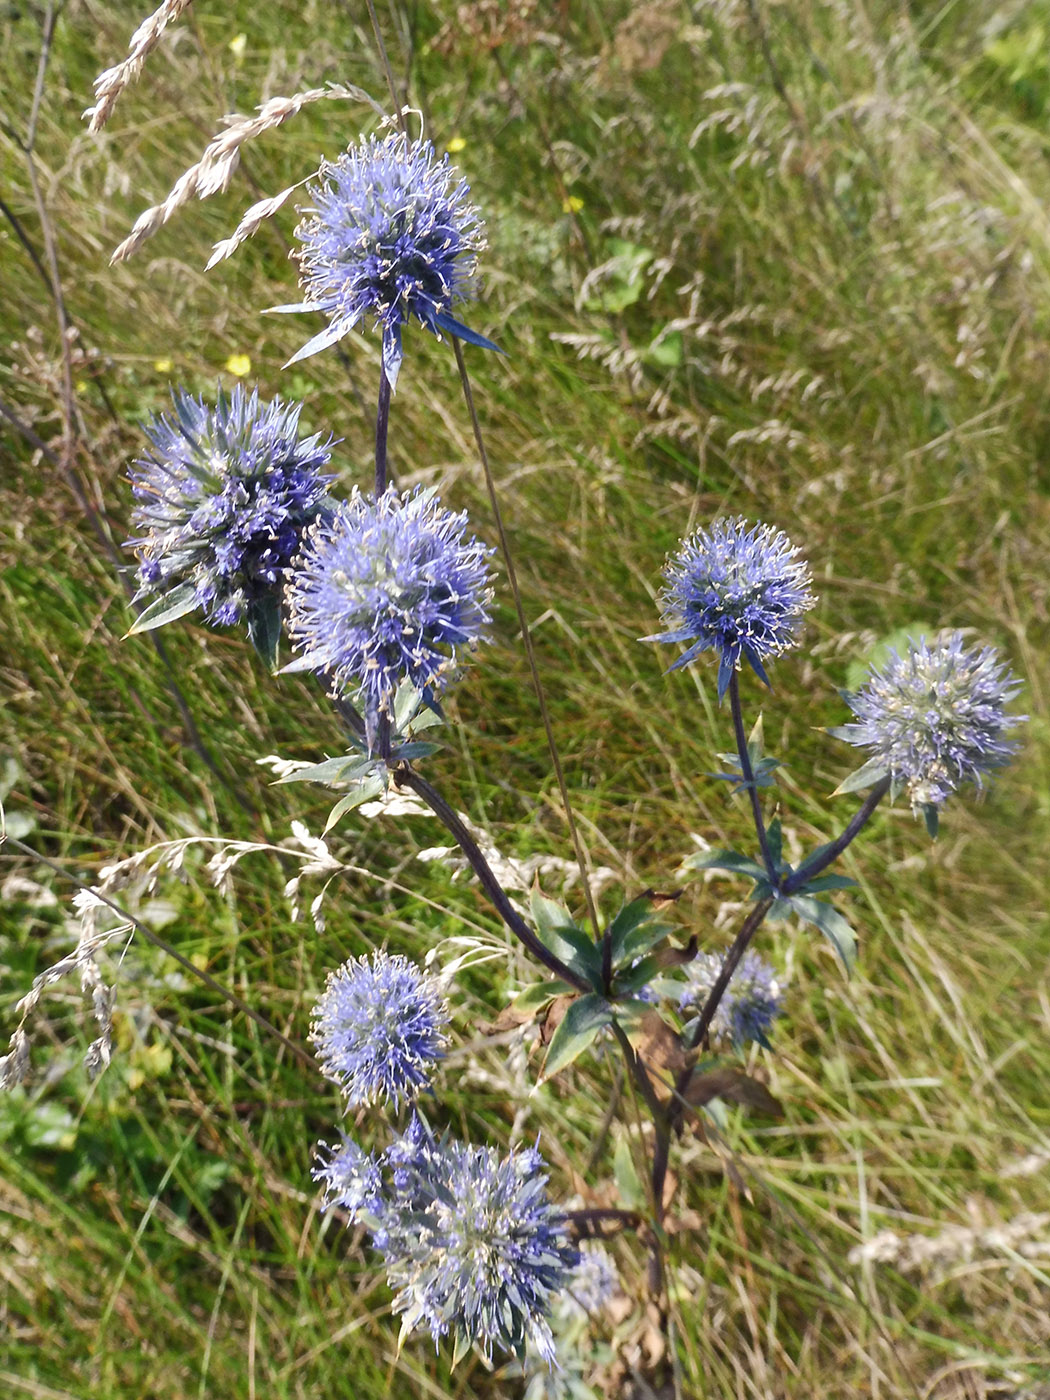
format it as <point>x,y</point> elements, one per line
<point>251,221</point>
<point>213,172</point>
<point>110,84</point>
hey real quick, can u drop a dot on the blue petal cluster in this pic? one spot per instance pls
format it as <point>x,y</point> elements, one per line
<point>378,1027</point>
<point>471,1241</point>
<point>736,589</point>
<point>392,236</point>
<point>223,500</point>
<point>935,717</point>
<point>594,1282</point>
<point>751,1002</point>
<point>388,591</point>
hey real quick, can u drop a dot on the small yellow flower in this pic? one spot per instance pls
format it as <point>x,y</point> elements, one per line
<point>456,145</point>
<point>240,365</point>
<point>572,204</point>
<point>237,46</point>
<point>163,366</point>
<point>81,386</point>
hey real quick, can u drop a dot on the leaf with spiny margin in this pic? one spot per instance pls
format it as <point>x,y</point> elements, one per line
<point>576,1031</point>
<point>168,608</point>
<point>565,939</point>
<point>732,861</point>
<point>371,787</point>
<point>831,924</point>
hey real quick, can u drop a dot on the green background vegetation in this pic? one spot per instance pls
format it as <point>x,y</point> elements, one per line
<point>785,260</point>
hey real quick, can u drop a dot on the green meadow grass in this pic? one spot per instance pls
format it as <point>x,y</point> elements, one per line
<point>788,261</point>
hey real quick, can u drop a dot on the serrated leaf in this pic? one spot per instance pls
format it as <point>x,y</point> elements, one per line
<point>168,608</point>
<point>866,776</point>
<point>732,861</point>
<point>565,939</point>
<point>832,925</point>
<point>577,1030</point>
<point>370,788</point>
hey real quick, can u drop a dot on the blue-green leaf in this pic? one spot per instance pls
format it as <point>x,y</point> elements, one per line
<point>539,994</point>
<point>565,939</point>
<point>264,629</point>
<point>732,861</point>
<point>343,769</point>
<point>831,924</point>
<point>866,776</point>
<point>370,788</point>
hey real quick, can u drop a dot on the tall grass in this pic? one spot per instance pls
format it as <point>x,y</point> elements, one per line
<point>786,261</point>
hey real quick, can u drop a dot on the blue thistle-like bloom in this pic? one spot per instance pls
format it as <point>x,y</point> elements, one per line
<point>388,591</point>
<point>392,236</point>
<point>474,1246</point>
<point>935,717</point>
<point>222,502</point>
<point>737,589</point>
<point>379,1027</point>
<point>351,1178</point>
<point>593,1283</point>
<point>751,1002</point>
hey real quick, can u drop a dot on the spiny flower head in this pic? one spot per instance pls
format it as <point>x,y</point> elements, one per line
<point>593,1283</point>
<point>379,1026</point>
<point>351,1178</point>
<point>392,236</point>
<point>737,589</point>
<point>935,717</point>
<point>474,1246</point>
<point>387,591</point>
<point>222,501</point>
<point>751,1002</point>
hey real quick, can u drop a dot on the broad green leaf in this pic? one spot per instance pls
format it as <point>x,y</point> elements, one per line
<point>634,931</point>
<point>171,606</point>
<point>538,994</point>
<point>578,1028</point>
<point>565,939</point>
<point>831,924</point>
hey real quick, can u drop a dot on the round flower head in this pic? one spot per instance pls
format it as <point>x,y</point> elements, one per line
<point>737,589</point>
<point>351,1179</point>
<point>387,591</point>
<point>379,1026</point>
<point>222,501</point>
<point>478,1250</point>
<point>935,717</point>
<point>751,1002</point>
<point>594,1282</point>
<point>392,236</point>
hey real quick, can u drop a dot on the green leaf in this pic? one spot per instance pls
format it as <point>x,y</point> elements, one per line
<point>775,838</point>
<point>666,350</point>
<point>826,882</point>
<point>732,861</point>
<point>565,939</point>
<point>866,776</point>
<point>628,1183</point>
<point>931,817</point>
<point>415,748</point>
<point>634,931</point>
<point>370,788</point>
<point>831,924</point>
<point>333,770</point>
<point>264,629</point>
<point>578,1028</point>
<point>173,605</point>
<point>539,994</point>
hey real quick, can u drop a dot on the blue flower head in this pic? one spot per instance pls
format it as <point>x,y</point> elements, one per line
<point>221,504</point>
<point>392,236</point>
<point>379,1026</point>
<point>351,1179</point>
<point>474,1247</point>
<point>388,591</point>
<point>737,589</point>
<point>751,1002</point>
<point>935,717</point>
